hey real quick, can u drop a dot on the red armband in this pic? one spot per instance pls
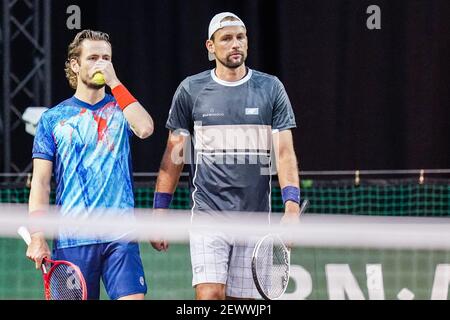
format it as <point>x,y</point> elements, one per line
<point>123,96</point>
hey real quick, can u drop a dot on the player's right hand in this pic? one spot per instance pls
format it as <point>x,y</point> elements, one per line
<point>160,245</point>
<point>38,249</point>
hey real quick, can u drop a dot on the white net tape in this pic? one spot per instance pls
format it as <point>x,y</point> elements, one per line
<point>314,230</point>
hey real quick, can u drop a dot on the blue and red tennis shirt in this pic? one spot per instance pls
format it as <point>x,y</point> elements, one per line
<point>90,150</point>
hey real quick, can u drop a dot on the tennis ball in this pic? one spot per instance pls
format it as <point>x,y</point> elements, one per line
<point>98,78</point>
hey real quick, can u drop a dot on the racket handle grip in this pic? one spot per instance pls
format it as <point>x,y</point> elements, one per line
<point>304,206</point>
<point>23,232</point>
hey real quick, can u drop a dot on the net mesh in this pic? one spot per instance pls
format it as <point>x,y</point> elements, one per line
<point>396,197</point>
<point>169,274</point>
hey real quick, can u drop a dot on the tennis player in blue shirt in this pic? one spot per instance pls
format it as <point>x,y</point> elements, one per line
<point>84,141</point>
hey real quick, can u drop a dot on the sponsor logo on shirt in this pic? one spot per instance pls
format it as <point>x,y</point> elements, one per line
<point>251,111</point>
<point>212,113</point>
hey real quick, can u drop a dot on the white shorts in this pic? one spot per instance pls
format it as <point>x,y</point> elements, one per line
<point>218,258</point>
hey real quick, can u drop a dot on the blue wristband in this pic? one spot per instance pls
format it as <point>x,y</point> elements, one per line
<point>290,193</point>
<point>161,200</point>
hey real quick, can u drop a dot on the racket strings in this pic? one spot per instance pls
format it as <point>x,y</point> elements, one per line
<point>272,267</point>
<point>65,284</point>
<point>280,270</point>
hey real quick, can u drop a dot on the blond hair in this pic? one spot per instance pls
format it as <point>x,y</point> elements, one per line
<point>74,51</point>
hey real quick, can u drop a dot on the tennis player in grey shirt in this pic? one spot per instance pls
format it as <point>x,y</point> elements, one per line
<point>234,119</point>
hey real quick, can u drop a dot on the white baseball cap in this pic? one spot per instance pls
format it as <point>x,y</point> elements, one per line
<point>216,24</point>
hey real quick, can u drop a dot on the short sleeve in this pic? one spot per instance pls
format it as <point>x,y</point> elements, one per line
<point>283,116</point>
<point>180,114</point>
<point>44,146</point>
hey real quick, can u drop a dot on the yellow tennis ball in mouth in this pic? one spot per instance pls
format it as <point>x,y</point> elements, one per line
<point>98,78</point>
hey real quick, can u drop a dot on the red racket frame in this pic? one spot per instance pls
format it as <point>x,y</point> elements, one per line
<point>47,275</point>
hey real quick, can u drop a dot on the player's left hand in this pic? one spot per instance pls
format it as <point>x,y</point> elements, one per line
<point>291,213</point>
<point>291,217</point>
<point>107,69</point>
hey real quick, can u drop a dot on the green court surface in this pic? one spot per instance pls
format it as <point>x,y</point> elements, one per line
<point>356,273</point>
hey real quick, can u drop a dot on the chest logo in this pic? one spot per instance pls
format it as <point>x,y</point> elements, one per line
<point>252,111</point>
<point>213,113</point>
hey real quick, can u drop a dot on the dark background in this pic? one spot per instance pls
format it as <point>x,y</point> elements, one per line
<point>363,99</point>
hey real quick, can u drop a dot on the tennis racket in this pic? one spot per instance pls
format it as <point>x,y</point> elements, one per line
<point>271,264</point>
<point>62,279</point>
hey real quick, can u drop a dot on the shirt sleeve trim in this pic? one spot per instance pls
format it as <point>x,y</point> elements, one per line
<point>283,128</point>
<point>42,156</point>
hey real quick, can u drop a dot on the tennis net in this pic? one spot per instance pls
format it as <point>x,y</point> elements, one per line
<point>321,268</point>
<point>402,195</point>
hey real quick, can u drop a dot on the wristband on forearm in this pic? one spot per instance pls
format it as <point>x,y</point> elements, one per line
<point>123,96</point>
<point>290,193</point>
<point>161,200</point>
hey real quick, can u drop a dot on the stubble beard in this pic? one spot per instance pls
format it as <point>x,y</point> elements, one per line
<point>233,65</point>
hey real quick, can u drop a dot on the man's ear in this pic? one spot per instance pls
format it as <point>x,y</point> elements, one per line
<point>75,66</point>
<point>210,46</point>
